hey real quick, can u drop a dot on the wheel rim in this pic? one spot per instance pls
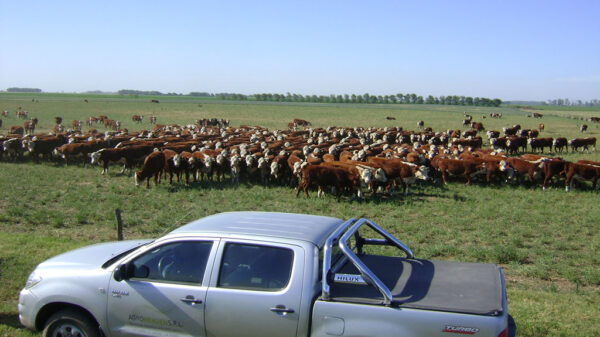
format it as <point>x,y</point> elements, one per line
<point>68,330</point>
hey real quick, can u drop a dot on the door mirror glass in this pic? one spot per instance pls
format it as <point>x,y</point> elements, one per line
<point>121,273</point>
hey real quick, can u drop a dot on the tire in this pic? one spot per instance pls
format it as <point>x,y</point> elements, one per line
<point>70,323</point>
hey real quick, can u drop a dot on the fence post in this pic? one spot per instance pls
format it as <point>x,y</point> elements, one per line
<point>119,225</point>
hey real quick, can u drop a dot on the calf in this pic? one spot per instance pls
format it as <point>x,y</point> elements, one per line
<point>153,166</point>
<point>581,172</point>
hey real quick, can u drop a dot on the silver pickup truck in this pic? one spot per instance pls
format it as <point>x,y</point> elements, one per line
<point>262,274</point>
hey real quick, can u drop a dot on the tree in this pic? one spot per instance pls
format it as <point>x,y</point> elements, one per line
<point>430,100</point>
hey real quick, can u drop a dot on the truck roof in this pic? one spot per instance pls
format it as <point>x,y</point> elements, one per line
<point>312,228</point>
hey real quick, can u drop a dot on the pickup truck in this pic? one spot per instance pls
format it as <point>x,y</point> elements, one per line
<point>263,274</point>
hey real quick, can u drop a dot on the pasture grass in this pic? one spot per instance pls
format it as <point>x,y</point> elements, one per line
<point>547,242</point>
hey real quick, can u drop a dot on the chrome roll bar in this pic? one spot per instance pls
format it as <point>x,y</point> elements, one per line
<point>350,228</point>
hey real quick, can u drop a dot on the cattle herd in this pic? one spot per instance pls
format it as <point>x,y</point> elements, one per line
<point>346,159</point>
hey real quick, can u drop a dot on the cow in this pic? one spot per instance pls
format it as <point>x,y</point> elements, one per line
<point>583,128</point>
<point>420,124</point>
<point>541,127</point>
<point>513,144</point>
<point>595,119</point>
<point>130,154</point>
<point>28,127</point>
<point>76,124</point>
<point>390,118</point>
<point>540,144</point>
<point>153,166</point>
<point>560,143</point>
<point>37,146</point>
<point>68,151</point>
<point>324,176</point>
<point>16,130</point>
<point>137,118</point>
<point>13,148</point>
<point>301,122</point>
<point>493,134</point>
<point>181,162</point>
<point>154,101</point>
<point>400,172</point>
<point>477,126</point>
<point>581,172</point>
<point>537,115</point>
<point>522,167</point>
<point>511,131</point>
<point>551,167</point>
<point>57,120</point>
<point>5,113</point>
<point>152,119</point>
<point>467,168</point>
<point>576,143</point>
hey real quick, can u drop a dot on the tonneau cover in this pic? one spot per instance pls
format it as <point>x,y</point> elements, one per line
<point>472,288</point>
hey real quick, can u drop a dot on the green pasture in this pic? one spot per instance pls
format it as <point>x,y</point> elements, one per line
<point>547,242</point>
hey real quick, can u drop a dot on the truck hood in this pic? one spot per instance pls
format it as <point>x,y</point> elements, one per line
<point>92,256</point>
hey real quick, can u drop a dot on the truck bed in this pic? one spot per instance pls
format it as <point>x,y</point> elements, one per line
<point>470,288</point>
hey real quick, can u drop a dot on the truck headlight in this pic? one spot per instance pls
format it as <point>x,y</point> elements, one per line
<point>32,280</point>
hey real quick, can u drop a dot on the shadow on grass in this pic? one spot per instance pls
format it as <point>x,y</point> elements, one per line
<point>10,319</point>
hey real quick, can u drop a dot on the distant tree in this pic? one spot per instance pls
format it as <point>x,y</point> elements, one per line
<point>353,98</point>
<point>430,100</point>
<point>469,100</point>
<point>346,98</point>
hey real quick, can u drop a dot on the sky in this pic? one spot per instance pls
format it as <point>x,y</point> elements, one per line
<point>512,50</point>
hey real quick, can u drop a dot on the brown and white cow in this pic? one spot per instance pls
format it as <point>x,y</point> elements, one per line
<point>583,143</point>
<point>576,171</point>
<point>153,166</point>
<point>540,143</point>
<point>324,176</point>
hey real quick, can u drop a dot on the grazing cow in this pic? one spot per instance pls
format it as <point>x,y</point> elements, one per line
<point>154,101</point>
<point>576,143</point>
<point>390,118</point>
<point>324,176</point>
<point>68,151</point>
<point>560,143</point>
<point>469,133</point>
<point>581,172</point>
<point>537,115</point>
<point>583,128</point>
<point>137,118</point>
<point>152,119</point>
<point>540,144</point>
<point>595,119</point>
<point>420,124</point>
<point>153,166</point>
<point>16,130</point>
<point>397,171</point>
<point>541,127</point>
<point>170,166</point>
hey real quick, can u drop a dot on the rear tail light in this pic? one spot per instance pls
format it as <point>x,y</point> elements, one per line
<point>504,333</point>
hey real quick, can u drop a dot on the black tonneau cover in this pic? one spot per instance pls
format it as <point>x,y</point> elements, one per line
<point>471,288</point>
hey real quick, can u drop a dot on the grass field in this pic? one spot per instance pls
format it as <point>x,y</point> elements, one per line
<point>546,241</point>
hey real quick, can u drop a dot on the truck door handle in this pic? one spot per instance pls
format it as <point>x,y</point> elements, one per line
<point>281,309</point>
<point>190,299</point>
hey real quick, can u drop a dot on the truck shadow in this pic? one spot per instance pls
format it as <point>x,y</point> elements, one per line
<point>10,320</point>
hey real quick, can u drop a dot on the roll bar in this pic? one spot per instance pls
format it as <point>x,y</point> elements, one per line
<point>350,228</point>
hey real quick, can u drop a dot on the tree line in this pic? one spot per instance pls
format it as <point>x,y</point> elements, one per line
<point>568,102</point>
<point>23,90</point>
<point>368,99</point>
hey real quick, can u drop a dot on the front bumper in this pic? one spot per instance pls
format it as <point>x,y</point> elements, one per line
<point>26,307</point>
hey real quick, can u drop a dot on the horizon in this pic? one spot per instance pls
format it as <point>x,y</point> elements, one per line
<point>534,51</point>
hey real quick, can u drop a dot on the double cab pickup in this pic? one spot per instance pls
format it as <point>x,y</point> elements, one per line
<point>258,274</point>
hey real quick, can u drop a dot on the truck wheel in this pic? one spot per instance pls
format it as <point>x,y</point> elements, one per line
<point>70,323</point>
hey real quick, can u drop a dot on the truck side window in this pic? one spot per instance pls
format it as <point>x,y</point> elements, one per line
<point>174,262</point>
<point>255,267</point>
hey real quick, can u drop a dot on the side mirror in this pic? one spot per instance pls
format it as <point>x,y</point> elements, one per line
<point>123,272</point>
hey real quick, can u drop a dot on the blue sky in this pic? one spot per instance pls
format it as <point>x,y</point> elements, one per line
<point>513,50</point>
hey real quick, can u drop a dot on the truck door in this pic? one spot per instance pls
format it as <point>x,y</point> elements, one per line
<point>166,294</point>
<point>256,291</point>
